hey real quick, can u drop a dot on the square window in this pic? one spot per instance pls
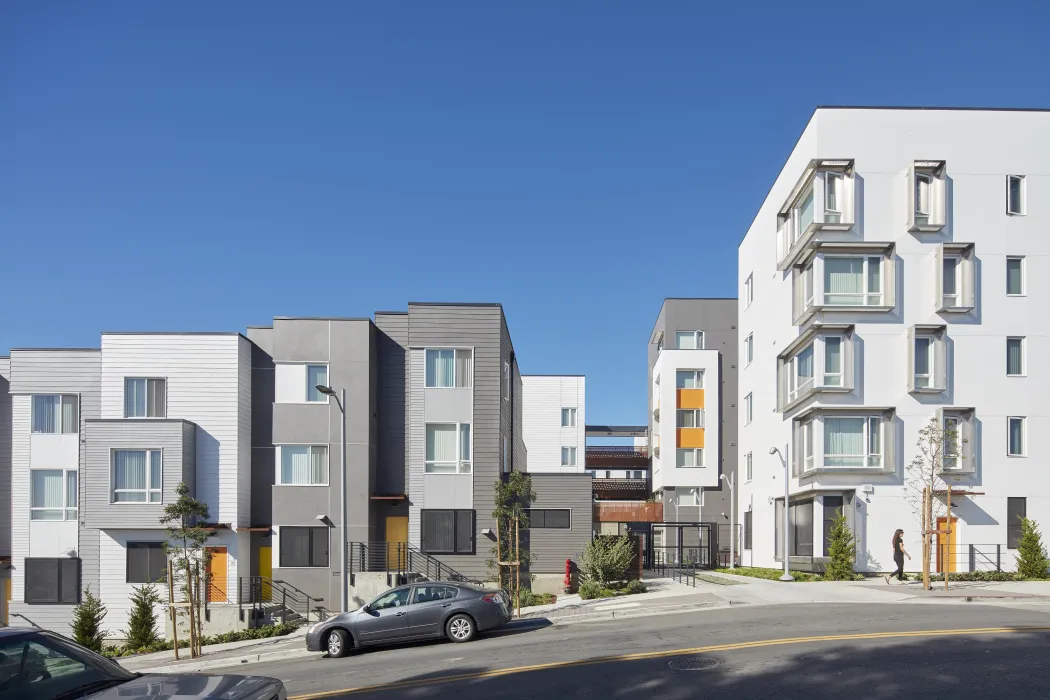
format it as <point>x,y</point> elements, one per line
<point>51,580</point>
<point>447,531</point>
<point>1015,195</point>
<point>303,465</point>
<point>316,375</point>
<point>689,379</point>
<point>1015,436</point>
<point>1015,276</point>
<point>1015,357</point>
<point>853,281</point>
<point>55,414</point>
<point>690,418</point>
<point>137,476</point>
<point>449,368</point>
<point>53,494</point>
<point>852,441</point>
<point>568,456</point>
<point>568,417</point>
<point>146,562</point>
<point>689,458</point>
<point>303,547</point>
<point>689,340</point>
<point>145,397</point>
<point>448,448</point>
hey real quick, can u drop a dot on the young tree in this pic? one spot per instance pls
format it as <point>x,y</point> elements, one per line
<point>1032,561</point>
<point>513,497</point>
<point>142,622</point>
<point>607,558</point>
<point>842,551</point>
<point>937,446</point>
<point>87,622</point>
<point>183,519</point>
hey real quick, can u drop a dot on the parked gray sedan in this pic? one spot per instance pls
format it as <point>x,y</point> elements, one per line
<point>418,611</point>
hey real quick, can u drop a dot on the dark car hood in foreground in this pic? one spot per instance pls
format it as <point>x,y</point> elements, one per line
<point>195,686</point>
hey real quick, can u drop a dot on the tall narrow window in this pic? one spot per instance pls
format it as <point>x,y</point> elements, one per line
<point>144,398</point>
<point>1015,276</point>
<point>923,187</point>
<point>749,349</point>
<point>568,417</point>
<point>1015,436</point>
<point>923,362</point>
<point>951,285</point>
<point>807,445</point>
<point>805,212</point>
<point>950,444</point>
<point>833,375</point>
<point>1015,194</point>
<point>55,414</point>
<point>749,290</point>
<point>689,340</point>
<point>807,286</point>
<point>1016,511</point>
<point>748,408</point>
<point>832,198</point>
<point>748,466</point>
<point>1015,357</point>
<point>832,510</point>
<point>316,375</point>
<point>801,373</point>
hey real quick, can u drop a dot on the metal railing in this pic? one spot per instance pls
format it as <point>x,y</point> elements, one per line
<point>401,559</point>
<point>971,558</point>
<point>278,599</point>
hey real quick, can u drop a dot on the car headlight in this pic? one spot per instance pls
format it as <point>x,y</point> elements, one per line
<point>316,627</point>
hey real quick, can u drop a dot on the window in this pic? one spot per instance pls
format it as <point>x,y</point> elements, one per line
<point>950,441</point>
<point>832,508</point>
<point>833,374</point>
<point>748,527</point>
<point>854,441</point>
<point>951,282</point>
<point>749,290</point>
<point>690,418</point>
<point>748,408</point>
<point>804,212</point>
<point>853,281</point>
<point>1015,436</point>
<point>689,458</point>
<point>689,340</point>
<point>748,466</point>
<point>448,448</point>
<point>927,183</point>
<point>800,516</point>
<point>568,456</point>
<point>807,444</point>
<point>431,592</point>
<point>316,375</point>
<point>833,198</point>
<point>689,379</point>
<point>136,476</point>
<point>447,531</point>
<point>1016,511</point>
<point>923,362</point>
<point>506,381</point>
<point>55,414</point>
<point>800,377</point>
<point>557,519</point>
<point>568,417</point>
<point>608,474</point>
<point>749,349</point>
<point>52,580</point>
<point>303,546</point>
<point>1015,357</point>
<point>147,562</point>
<point>450,368</point>
<point>1015,194</point>
<point>1015,276</point>
<point>144,398</point>
<point>53,494</point>
<point>397,598</point>
<point>303,465</point>
<point>923,196</point>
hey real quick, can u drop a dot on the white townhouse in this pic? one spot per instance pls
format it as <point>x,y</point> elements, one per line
<point>553,422</point>
<point>894,274</point>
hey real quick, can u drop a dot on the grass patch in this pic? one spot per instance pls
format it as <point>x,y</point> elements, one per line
<point>528,598</point>
<point>592,589</point>
<point>769,574</point>
<point>264,632</point>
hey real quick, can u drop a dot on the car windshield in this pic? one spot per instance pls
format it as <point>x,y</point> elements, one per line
<point>391,599</point>
<point>42,666</point>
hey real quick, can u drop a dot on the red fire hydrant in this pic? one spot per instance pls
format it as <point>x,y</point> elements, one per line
<point>568,576</point>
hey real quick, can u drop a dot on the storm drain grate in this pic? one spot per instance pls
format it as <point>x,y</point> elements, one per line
<point>694,663</point>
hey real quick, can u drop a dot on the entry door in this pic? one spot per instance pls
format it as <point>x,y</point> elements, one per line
<point>396,533</point>
<point>266,571</point>
<point>946,554</point>
<point>387,617</point>
<point>217,575</point>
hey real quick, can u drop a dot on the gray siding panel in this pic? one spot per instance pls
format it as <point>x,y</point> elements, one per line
<point>90,562</point>
<point>305,423</point>
<point>262,425</point>
<point>103,436</point>
<point>5,458</point>
<point>416,445</point>
<point>392,341</point>
<point>55,371</point>
<point>56,618</point>
<point>550,548</point>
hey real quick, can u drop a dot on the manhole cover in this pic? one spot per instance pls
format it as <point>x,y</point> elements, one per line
<point>694,663</point>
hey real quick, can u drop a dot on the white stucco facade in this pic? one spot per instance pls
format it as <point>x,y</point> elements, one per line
<point>554,420</point>
<point>876,371</point>
<point>668,437</point>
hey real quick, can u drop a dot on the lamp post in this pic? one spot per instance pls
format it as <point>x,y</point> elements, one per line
<point>732,521</point>
<point>340,401</point>
<point>787,485</point>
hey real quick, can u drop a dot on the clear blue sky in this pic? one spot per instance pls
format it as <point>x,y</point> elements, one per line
<point>206,166</point>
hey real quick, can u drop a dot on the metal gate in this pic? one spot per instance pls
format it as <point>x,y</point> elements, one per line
<point>682,546</point>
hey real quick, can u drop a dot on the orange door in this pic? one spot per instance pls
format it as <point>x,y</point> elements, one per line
<point>217,574</point>
<point>396,534</point>
<point>946,545</point>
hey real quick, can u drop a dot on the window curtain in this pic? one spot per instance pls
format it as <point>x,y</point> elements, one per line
<point>843,280</point>
<point>134,398</point>
<point>69,415</point>
<point>129,472</point>
<point>156,398</point>
<point>804,363</point>
<point>441,448</point>
<point>71,489</point>
<point>316,375</point>
<point>47,493</point>
<point>295,464</point>
<point>844,442</point>
<point>464,446</point>
<point>464,368</point>
<point>318,465</point>
<point>45,414</point>
<point>1016,436</point>
<point>833,361</point>
<point>441,367</point>
<point>1013,356</point>
<point>685,340</point>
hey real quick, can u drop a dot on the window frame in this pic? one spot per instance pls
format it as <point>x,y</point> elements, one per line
<point>1024,356</point>
<point>1023,452</point>
<point>920,179</point>
<point>749,467</point>
<point>837,191</point>
<point>462,466</point>
<point>1013,532</point>
<point>698,458</point>
<point>749,290</point>
<point>65,508</point>
<point>279,463</point>
<point>30,562</point>
<point>698,378</point>
<point>698,418</point>
<point>148,546</point>
<point>749,408</point>
<point>867,435</point>
<point>149,490</point>
<point>311,388</point>
<point>282,535</point>
<point>455,364</point>
<point>957,278</point>
<point>698,339</point>
<point>955,455</point>
<point>930,377</point>
<point>33,429</point>
<point>532,520</point>
<point>1022,186</point>
<point>457,513</point>
<point>749,526</point>
<point>795,388</point>
<point>841,374</point>
<point>149,384</point>
<point>570,412</point>
<point>1021,259</point>
<point>865,274</point>
<point>569,456</point>
<point>749,350</point>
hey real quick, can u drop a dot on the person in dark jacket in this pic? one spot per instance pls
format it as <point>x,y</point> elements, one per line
<point>898,556</point>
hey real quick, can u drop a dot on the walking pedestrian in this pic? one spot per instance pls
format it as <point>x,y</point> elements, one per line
<point>898,556</point>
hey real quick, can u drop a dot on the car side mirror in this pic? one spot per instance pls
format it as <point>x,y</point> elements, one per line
<point>365,609</point>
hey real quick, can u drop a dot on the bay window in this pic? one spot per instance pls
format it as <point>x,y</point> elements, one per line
<point>853,441</point>
<point>821,200</point>
<point>954,272</point>
<point>957,440</point>
<point>923,362</point>
<point>449,368</point>
<point>800,378</point>
<point>448,448</point>
<point>927,359</point>
<point>137,476</point>
<point>815,349</point>
<point>853,280</point>
<point>927,188</point>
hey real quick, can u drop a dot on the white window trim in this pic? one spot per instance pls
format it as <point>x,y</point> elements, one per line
<point>124,398</point>
<point>841,374</point>
<point>698,340</point>
<point>473,366</point>
<point>1024,356</point>
<point>1024,276</point>
<point>868,454</point>
<point>864,273</point>
<point>328,382</point>
<point>570,452</point>
<point>928,179</point>
<point>959,282</point>
<point>931,362</point>
<point>277,466</point>
<point>698,418</point>
<point>749,350</point>
<point>572,417</point>
<point>698,457</point>
<point>59,431</point>
<point>749,290</point>
<point>463,466</point>
<point>1021,205</point>
<point>839,191</point>
<point>956,454</point>
<point>807,446</point>
<point>149,478</point>
<point>698,379</point>
<point>1024,436</point>
<point>65,495</point>
<point>795,388</point>
<point>749,409</point>
<point>749,467</point>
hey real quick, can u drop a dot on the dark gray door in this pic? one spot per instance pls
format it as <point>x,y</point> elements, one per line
<point>387,617</point>
<point>430,604</point>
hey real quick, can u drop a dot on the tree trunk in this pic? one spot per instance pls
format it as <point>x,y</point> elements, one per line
<point>927,525</point>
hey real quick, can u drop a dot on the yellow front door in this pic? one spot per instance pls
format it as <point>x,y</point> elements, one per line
<point>946,545</point>
<point>396,533</point>
<point>217,575</point>
<point>266,571</point>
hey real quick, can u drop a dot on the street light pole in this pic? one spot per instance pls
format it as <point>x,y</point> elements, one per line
<point>732,521</point>
<point>787,486</point>
<point>340,401</point>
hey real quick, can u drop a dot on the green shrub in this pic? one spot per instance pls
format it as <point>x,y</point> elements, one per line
<point>592,589</point>
<point>607,558</point>
<point>986,576</point>
<point>87,622</point>
<point>1032,562</point>
<point>528,598</point>
<point>142,622</point>
<point>842,551</point>
<point>263,632</point>
<point>635,586</point>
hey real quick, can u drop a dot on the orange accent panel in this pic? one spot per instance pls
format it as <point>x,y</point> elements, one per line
<point>690,398</point>
<point>690,437</point>
<point>217,575</point>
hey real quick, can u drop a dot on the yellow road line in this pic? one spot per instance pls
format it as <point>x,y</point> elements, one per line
<point>495,673</point>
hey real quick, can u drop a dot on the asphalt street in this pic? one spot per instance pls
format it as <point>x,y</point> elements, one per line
<point>875,651</point>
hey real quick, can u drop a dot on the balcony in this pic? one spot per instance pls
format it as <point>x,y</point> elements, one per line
<point>632,512</point>
<point>611,457</point>
<point>619,489</point>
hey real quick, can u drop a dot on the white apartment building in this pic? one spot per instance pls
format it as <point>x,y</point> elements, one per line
<point>553,418</point>
<point>893,275</point>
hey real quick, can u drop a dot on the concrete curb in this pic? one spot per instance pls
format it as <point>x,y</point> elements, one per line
<point>228,661</point>
<point>600,615</point>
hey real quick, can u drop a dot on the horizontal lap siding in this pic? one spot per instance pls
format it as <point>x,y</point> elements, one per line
<point>550,547</point>
<point>393,416</point>
<point>5,458</point>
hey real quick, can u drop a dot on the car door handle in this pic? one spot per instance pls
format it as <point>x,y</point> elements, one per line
<point>446,605</point>
<point>400,614</point>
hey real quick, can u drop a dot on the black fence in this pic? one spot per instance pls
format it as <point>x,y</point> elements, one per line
<point>682,546</point>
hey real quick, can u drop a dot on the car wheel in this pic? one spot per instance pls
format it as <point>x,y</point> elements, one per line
<point>460,628</point>
<point>337,643</point>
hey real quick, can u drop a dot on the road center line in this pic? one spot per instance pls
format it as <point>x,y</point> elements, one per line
<point>495,673</point>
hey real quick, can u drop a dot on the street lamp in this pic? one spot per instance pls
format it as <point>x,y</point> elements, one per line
<point>787,484</point>
<point>732,521</point>
<point>340,401</point>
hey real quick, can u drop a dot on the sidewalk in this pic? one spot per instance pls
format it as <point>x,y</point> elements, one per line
<point>663,594</point>
<point>221,655</point>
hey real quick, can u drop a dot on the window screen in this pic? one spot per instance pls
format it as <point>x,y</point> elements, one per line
<point>448,531</point>
<point>146,562</point>
<point>304,546</point>
<point>52,580</point>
